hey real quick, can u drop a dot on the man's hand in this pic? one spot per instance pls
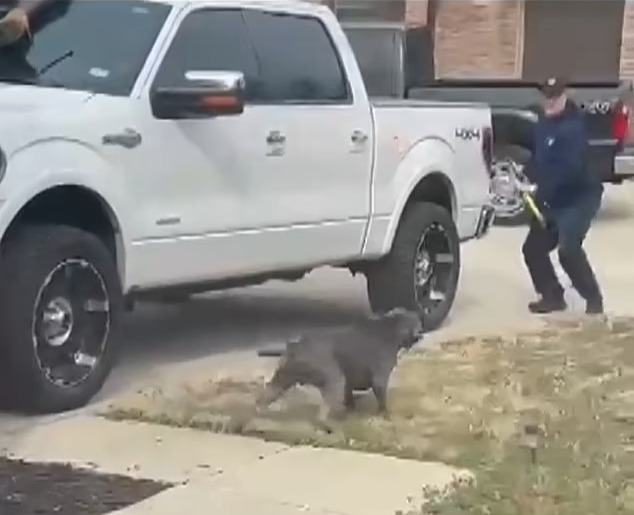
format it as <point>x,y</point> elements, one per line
<point>524,187</point>
<point>13,26</point>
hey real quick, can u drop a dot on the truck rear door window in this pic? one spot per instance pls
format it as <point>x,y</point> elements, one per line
<point>298,59</point>
<point>379,55</point>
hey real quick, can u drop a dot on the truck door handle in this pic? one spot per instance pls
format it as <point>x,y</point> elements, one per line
<point>359,137</point>
<point>275,138</point>
<point>129,139</point>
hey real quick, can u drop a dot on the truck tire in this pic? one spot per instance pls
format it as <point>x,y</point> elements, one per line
<point>507,201</point>
<point>421,271</point>
<point>59,306</point>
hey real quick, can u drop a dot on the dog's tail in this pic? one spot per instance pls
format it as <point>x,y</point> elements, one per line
<point>291,345</point>
<point>271,353</point>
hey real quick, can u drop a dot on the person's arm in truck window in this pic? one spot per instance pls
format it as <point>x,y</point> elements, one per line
<point>43,12</point>
<point>14,22</point>
<point>22,17</point>
<point>29,7</point>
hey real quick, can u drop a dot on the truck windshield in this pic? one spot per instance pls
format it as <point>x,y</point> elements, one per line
<point>93,45</point>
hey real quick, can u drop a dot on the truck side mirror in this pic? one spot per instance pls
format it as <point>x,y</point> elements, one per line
<point>206,94</point>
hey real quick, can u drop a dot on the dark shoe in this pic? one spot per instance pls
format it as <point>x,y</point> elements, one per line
<point>594,307</point>
<point>545,305</point>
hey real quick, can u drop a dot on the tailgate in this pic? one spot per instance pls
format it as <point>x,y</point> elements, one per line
<point>606,113</point>
<point>600,107</point>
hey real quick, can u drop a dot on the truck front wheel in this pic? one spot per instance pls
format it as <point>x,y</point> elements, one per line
<point>421,271</point>
<point>60,298</point>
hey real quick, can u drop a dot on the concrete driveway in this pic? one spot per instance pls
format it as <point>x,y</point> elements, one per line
<point>220,330</point>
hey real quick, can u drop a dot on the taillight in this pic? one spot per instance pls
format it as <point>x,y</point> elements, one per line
<point>621,123</point>
<point>487,148</point>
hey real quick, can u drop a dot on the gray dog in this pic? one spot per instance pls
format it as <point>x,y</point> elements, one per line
<point>341,360</point>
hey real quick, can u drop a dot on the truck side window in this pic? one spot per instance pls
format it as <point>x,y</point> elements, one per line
<point>299,62</point>
<point>210,40</point>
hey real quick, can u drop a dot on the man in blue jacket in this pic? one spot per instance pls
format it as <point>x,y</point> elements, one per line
<point>571,197</point>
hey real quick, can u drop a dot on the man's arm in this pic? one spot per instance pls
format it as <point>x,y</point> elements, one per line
<point>13,25</point>
<point>23,17</point>
<point>16,22</point>
<point>31,6</point>
<point>529,168</point>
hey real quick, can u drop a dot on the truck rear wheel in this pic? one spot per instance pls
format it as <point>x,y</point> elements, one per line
<point>421,271</point>
<point>59,305</point>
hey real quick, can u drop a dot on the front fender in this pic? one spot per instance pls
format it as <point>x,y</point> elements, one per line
<point>430,156</point>
<point>41,166</point>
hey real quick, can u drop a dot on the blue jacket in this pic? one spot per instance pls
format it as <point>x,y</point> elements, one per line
<point>559,165</point>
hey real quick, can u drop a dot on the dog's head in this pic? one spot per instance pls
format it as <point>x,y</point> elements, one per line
<point>406,325</point>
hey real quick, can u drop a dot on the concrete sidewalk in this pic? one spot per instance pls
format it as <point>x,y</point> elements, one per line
<point>236,475</point>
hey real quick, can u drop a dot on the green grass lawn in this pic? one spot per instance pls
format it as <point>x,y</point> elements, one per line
<point>544,420</point>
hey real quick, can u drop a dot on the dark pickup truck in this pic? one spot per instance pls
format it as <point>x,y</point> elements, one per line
<point>514,106</point>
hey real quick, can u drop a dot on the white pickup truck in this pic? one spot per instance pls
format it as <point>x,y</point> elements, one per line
<point>164,147</point>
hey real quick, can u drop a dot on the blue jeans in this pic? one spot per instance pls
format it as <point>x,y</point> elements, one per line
<point>573,222</point>
<point>567,231</point>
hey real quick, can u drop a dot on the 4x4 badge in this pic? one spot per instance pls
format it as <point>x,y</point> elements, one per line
<point>467,133</point>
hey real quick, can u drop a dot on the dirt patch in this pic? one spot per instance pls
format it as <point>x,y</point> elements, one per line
<point>56,489</point>
<point>544,419</point>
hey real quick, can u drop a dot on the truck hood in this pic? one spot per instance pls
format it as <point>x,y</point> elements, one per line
<point>23,100</point>
<point>29,112</point>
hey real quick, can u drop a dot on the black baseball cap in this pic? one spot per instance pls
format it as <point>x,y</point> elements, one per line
<point>553,87</point>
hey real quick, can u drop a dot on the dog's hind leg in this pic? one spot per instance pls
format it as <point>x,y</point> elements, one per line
<point>271,393</point>
<point>333,394</point>
<point>379,388</point>
<point>266,398</point>
<point>333,404</point>
<point>380,392</point>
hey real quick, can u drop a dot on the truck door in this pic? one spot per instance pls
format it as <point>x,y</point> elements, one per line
<point>200,170</point>
<point>312,186</point>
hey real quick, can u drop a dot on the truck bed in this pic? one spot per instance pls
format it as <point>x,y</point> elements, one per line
<point>511,91</point>
<point>404,133</point>
<point>413,103</point>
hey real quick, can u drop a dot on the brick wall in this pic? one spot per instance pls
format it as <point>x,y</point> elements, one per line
<point>627,46</point>
<point>416,13</point>
<point>485,38</point>
<point>479,38</point>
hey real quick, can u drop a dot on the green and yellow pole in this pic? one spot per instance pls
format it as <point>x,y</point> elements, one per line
<point>530,203</point>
